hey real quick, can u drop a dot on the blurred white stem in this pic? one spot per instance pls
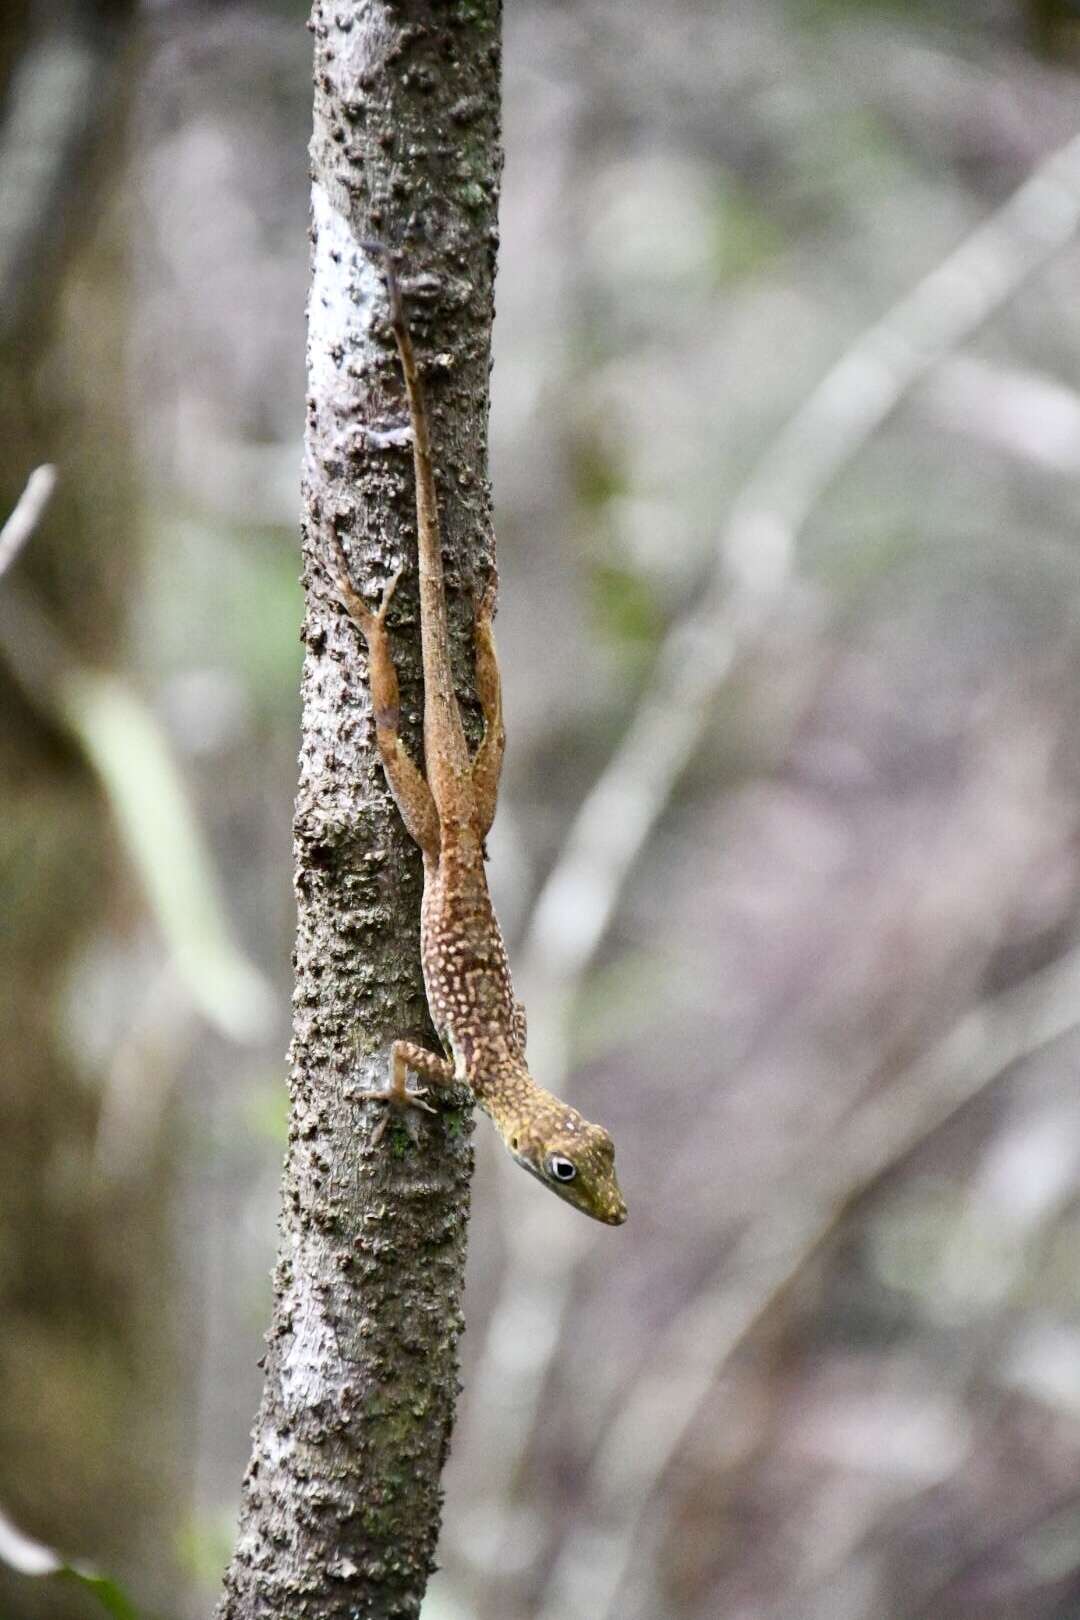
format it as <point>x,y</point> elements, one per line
<point>131,756</point>
<point>1024,414</point>
<point>27,514</point>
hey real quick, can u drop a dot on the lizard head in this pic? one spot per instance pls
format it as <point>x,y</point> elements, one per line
<point>572,1158</point>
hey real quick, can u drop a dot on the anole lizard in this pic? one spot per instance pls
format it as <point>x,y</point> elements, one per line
<point>449,815</point>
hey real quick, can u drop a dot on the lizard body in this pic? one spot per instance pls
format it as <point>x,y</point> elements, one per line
<point>449,814</point>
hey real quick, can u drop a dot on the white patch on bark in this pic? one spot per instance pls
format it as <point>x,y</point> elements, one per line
<point>311,1366</point>
<point>388,438</point>
<point>344,290</point>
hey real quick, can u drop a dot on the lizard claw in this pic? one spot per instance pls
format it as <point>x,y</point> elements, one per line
<point>399,1102</point>
<point>388,594</point>
<point>484,604</point>
<point>414,1096</point>
<point>353,602</point>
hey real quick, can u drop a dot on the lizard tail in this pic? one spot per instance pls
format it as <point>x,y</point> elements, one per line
<point>440,701</point>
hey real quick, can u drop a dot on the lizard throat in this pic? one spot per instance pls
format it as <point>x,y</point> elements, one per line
<point>553,1142</point>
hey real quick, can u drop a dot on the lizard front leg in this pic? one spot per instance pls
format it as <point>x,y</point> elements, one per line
<point>411,792</point>
<point>487,762</point>
<point>405,1055</point>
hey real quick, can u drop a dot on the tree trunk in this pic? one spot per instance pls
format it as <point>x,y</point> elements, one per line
<point>341,1501</point>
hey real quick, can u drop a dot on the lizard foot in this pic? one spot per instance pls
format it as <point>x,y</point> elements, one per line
<point>396,1102</point>
<point>371,621</point>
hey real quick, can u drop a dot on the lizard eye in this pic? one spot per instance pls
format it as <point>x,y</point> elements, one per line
<point>561,1168</point>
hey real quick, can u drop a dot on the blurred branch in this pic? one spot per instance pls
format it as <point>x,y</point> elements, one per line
<point>27,514</point>
<point>754,566</point>
<point>663,1404</point>
<point>951,1561</point>
<point>1019,1557</point>
<point>1023,414</point>
<point>126,747</point>
<point>62,91</point>
<point>755,552</point>
<point>130,753</point>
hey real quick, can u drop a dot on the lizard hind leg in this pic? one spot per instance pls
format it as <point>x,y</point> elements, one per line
<point>487,761</point>
<point>411,792</point>
<point>405,1055</point>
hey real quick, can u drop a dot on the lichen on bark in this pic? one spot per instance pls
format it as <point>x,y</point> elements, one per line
<point>340,1506</point>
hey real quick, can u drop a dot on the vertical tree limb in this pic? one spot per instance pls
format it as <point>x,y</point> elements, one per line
<point>341,1500</point>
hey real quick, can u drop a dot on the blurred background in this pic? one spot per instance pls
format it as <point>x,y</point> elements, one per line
<point>786,451</point>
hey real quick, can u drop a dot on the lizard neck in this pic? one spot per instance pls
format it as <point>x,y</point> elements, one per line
<point>546,1136</point>
<point>518,1105</point>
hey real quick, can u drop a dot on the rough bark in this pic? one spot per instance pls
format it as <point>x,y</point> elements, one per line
<point>341,1500</point>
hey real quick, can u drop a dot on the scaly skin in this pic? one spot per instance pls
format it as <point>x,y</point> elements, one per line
<point>449,814</point>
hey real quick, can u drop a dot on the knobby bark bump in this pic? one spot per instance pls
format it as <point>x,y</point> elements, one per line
<point>340,1507</point>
